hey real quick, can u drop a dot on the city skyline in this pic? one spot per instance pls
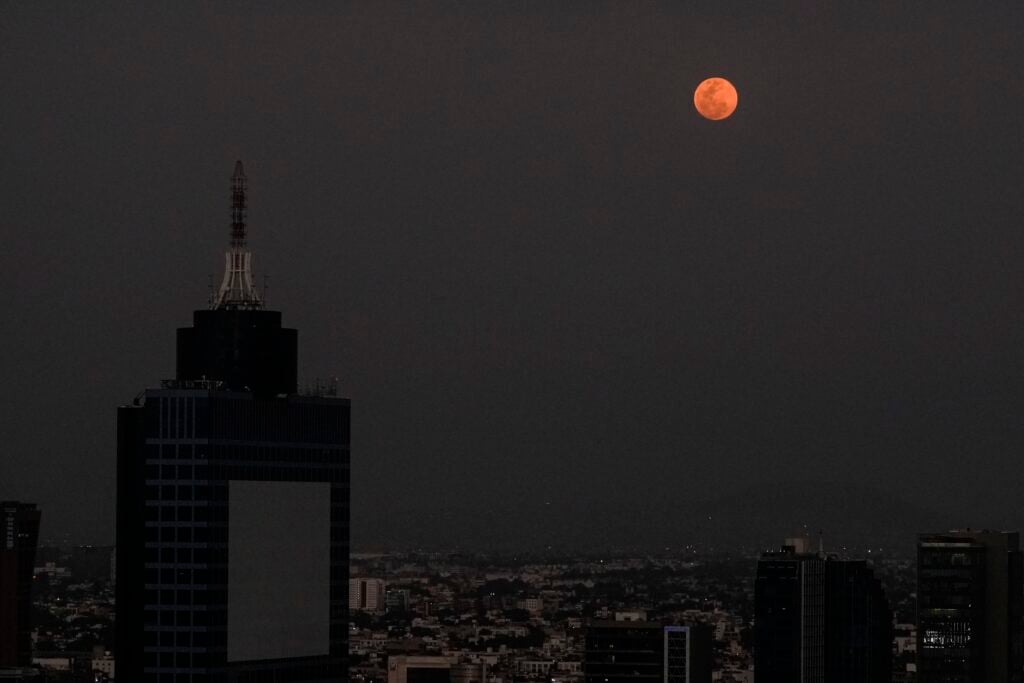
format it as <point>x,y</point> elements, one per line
<point>533,266</point>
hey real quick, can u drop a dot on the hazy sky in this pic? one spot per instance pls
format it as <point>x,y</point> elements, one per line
<point>539,275</point>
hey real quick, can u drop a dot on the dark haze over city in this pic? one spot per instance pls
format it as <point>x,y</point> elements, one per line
<point>567,309</point>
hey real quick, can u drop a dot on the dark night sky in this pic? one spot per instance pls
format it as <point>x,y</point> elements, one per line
<point>540,276</point>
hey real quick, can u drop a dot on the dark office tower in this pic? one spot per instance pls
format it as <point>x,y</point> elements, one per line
<point>637,651</point>
<point>19,534</point>
<point>232,511</point>
<point>789,617</point>
<point>858,624</point>
<point>969,600</point>
<point>819,619</point>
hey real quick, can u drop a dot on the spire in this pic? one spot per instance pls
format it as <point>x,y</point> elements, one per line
<point>238,206</point>
<point>237,289</point>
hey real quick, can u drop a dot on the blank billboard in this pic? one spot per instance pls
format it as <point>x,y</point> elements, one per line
<point>279,568</point>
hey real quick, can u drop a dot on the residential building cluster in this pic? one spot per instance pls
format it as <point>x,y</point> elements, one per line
<point>518,619</point>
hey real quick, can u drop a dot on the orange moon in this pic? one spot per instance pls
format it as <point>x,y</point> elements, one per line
<point>715,99</point>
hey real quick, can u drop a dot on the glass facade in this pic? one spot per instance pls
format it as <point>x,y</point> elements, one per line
<point>969,604</point>
<point>820,618</point>
<point>677,651</point>
<point>185,448</point>
<point>619,651</point>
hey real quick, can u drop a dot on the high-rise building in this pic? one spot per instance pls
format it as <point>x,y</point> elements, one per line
<point>619,651</point>
<point>819,619</point>
<point>366,594</point>
<point>858,624</point>
<point>233,504</point>
<point>969,607</point>
<point>19,535</point>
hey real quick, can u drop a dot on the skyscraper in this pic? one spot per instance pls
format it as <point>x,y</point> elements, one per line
<point>19,534</point>
<point>789,616</point>
<point>232,511</point>
<point>617,651</point>
<point>858,624</point>
<point>969,600</point>
<point>819,619</point>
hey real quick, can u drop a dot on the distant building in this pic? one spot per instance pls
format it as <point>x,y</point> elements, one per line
<point>969,607</point>
<point>628,650</point>
<point>19,535</point>
<point>396,600</point>
<point>433,669</point>
<point>467,672</point>
<point>531,605</point>
<point>103,663</point>
<point>630,615</point>
<point>819,619</point>
<point>534,667</point>
<point>366,595</point>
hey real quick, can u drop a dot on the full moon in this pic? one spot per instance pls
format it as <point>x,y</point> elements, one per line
<point>715,99</point>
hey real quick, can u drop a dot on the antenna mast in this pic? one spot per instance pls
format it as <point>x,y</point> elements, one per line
<point>238,186</point>
<point>237,289</point>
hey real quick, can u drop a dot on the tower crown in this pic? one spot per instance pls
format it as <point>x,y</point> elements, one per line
<point>237,289</point>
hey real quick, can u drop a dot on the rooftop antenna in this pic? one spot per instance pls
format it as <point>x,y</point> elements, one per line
<point>238,187</point>
<point>237,290</point>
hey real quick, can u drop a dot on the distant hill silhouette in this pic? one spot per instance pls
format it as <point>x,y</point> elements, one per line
<point>846,515</point>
